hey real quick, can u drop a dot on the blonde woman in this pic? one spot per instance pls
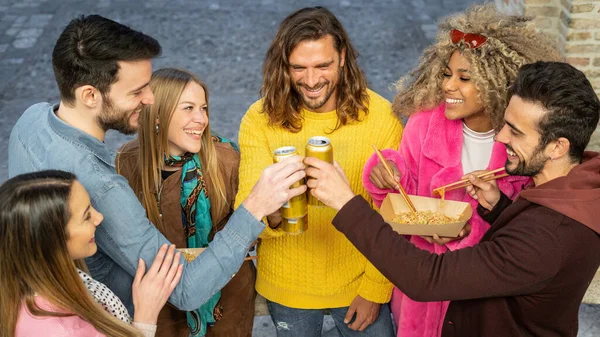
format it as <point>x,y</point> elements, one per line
<point>456,99</point>
<point>47,227</point>
<point>186,178</point>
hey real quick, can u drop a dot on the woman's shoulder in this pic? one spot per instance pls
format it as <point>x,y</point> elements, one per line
<point>52,326</point>
<point>424,116</point>
<point>227,154</point>
<point>127,157</point>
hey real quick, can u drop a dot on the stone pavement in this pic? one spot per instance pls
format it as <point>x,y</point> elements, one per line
<point>224,42</point>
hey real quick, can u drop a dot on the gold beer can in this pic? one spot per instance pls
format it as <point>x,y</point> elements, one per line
<point>320,148</point>
<point>295,226</point>
<point>294,212</point>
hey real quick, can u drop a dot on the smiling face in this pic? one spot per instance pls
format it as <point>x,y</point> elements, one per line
<point>462,96</point>
<point>188,121</point>
<point>122,104</point>
<point>82,224</point>
<point>315,67</point>
<point>522,140</point>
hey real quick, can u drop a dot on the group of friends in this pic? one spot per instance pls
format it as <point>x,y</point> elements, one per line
<point>80,225</point>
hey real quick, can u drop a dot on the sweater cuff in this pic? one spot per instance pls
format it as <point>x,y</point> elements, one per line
<point>374,291</point>
<point>350,211</point>
<point>491,216</point>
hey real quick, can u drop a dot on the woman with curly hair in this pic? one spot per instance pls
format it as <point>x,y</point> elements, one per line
<point>456,99</point>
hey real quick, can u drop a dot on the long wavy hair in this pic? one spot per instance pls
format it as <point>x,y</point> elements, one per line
<point>168,85</point>
<point>34,212</point>
<point>281,102</point>
<point>512,41</point>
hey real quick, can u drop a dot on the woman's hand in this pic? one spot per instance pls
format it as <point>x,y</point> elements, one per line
<point>381,178</point>
<point>152,290</point>
<point>442,241</point>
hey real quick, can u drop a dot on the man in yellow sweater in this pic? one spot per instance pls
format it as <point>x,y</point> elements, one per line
<point>313,87</point>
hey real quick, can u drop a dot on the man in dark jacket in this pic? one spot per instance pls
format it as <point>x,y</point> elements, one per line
<point>529,273</point>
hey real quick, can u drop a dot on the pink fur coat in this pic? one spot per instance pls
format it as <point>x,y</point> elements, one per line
<point>429,157</point>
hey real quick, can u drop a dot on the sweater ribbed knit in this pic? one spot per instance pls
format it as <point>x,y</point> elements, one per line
<point>319,268</point>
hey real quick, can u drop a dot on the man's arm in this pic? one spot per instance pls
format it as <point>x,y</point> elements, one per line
<point>519,260</point>
<point>126,234</point>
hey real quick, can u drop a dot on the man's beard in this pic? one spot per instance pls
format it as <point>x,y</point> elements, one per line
<point>531,167</point>
<point>112,118</point>
<point>312,104</point>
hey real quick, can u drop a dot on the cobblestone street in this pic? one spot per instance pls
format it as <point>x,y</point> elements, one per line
<point>224,42</point>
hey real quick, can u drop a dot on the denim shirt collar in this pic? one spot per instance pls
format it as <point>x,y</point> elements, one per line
<point>80,138</point>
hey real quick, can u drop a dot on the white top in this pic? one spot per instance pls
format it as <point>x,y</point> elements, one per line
<point>476,150</point>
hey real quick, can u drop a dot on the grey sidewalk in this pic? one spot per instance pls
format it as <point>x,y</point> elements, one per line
<point>224,42</point>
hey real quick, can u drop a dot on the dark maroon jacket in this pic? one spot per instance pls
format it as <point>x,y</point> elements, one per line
<point>526,277</point>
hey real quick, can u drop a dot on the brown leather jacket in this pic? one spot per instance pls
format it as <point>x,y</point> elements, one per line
<point>237,297</point>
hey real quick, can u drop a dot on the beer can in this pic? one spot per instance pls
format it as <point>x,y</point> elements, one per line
<point>295,210</point>
<point>320,148</point>
<point>295,226</point>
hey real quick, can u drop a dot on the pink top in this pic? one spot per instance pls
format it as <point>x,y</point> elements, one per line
<point>48,326</point>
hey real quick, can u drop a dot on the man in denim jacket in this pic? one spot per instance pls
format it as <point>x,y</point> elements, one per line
<point>102,69</point>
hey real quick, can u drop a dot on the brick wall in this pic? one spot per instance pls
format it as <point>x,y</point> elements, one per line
<point>583,43</point>
<point>575,24</point>
<point>551,16</point>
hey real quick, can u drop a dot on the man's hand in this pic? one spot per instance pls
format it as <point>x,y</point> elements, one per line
<point>486,193</point>
<point>381,178</point>
<point>442,241</point>
<point>328,183</point>
<point>273,188</point>
<point>366,313</point>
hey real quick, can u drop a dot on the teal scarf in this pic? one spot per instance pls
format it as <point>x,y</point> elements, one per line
<point>197,225</point>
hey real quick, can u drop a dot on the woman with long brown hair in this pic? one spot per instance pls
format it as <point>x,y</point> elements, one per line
<point>47,227</point>
<point>186,178</point>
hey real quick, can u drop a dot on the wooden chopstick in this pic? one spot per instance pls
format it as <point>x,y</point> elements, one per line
<point>391,173</point>
<point>468,183</point>
<point>465,182</point>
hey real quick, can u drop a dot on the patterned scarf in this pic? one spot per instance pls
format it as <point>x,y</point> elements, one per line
<point>105,297</point>
<point>197,225</point>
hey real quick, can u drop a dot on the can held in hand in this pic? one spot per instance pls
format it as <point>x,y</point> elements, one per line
<point>294,213</point>
<point>320,148</point>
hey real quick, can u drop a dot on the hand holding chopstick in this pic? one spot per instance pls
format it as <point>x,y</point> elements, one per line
<point>391,173</point>
<point>485,176</point>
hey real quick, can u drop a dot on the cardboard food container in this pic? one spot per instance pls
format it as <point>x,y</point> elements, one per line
<point>191,253</point>
<point>394,204</point>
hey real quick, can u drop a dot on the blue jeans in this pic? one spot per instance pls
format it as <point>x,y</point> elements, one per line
<point>291,322</point>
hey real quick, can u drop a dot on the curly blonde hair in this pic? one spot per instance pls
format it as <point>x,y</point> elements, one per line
<point>512,41</point>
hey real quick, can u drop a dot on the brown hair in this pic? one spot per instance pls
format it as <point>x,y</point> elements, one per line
<point>167,85</point>
<point>34,212</point>
<point>512,41</point>
<point>280,101</point>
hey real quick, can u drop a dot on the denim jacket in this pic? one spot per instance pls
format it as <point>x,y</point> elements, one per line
<point>40,141</point>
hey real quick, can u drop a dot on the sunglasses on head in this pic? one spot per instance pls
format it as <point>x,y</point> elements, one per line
<point>472,40</point>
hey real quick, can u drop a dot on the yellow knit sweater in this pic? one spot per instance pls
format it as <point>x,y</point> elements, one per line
<point>319,268</point>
